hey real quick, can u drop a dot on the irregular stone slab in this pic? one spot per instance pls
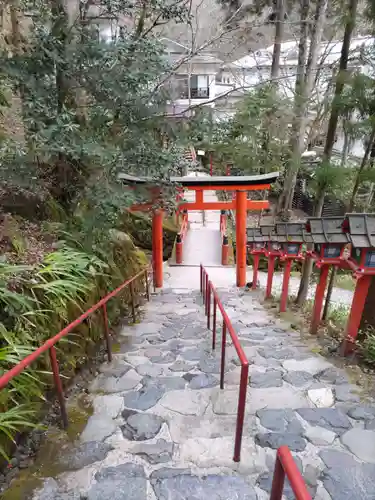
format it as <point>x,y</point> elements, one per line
<point>275,439</point>
<point>332,376</point>
<point>124,482</point>
<point>277,353</point>
<point>345,478</point>
<point>362,412</point>
<point>169,333</point>
<point>50,491</point>
<point>319,436</point>
<point>143,399</point>
<point>370,424</point>
<point>152,351</point>
<point>84,454</point>
<point>361,442</point>
<point>271,378</point>
<point>211,364</point>
<point>225,402</point>
<point>111,385</point>
<point>322,398</point>
<point>193,332</point>
<point>218,452</point>
<point>98,428</point>
<point>163,358</point>
<point>185,402</point>
<point>329,418</point>
<point>273,397</point>
<point>310,365</point>
<point>149,370</point>
<point>344,393</point>
<point>155,453</point>
<point>280,420</point>
<point>194,354</point>
<point>183,427</point>
<point>141,426</point>
<point>109,405</point>
<point>264,482</point>
<point>203,381</point>
<point>115,368</point>
<point>181,366</point>
<point>298,378</point>
<point>183,486</point>
<point>169,383</point>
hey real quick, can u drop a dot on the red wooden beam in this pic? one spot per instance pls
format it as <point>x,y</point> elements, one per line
<point>223,205</point>
<point>245,187</point>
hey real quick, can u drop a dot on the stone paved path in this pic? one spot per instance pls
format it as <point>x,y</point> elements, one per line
<point>162,429</point>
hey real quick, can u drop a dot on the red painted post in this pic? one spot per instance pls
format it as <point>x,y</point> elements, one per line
<point>224,251</point>
<point>285,287</point>
<point>319,298</point>
<point>285,465</point>
<point>270,271</point>
<point>201,278</point>
<point>223,345</point>
<point>241,412</point>
<point>277,481</point>
<point>241,211</point>
<point>131,286</point>
<point>214,325</point>
<point>157,246</point>
<point>106,333</point>
<point>206,292</point>
<point>209,304</point>
<point>256,259</point>
<point>58,386</point>
<point>178,249</point>
<point>147,286</point>
<point>356,311</point>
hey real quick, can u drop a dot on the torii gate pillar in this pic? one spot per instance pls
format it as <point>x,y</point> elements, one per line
<point>241,212</point>
<point>157,247</point>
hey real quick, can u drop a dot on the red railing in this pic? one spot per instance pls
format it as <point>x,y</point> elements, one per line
<point>181,237</point>
<point>206,288</point>
<point>49,345</point>
<point>224,239</point>
<point>286,466</point>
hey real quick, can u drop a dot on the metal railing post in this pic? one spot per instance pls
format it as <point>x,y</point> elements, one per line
<point>131,286</point>
<point>223,345</point>
<point>209,305</point>
<point>214,324</point>
<point>58,386</point>
<point>277,481</point>
<point>206,290</point>
<point>106,333</point>
<point>241,412</point>
<point>147,286</point>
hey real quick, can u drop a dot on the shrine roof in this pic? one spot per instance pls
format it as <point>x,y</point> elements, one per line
<point>228,180</point>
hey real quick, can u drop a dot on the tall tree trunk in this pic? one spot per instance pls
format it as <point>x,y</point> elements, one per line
<point>332,126</point>
<point>279,33</point>
<point>304,84</point>
<point>361,168</point>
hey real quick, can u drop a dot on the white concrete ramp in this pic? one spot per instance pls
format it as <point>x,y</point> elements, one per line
<point>202,245</point>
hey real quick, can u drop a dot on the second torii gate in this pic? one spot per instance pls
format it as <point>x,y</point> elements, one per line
<point>238,184</point>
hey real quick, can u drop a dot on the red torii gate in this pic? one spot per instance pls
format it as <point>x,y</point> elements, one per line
<point>238,184</point>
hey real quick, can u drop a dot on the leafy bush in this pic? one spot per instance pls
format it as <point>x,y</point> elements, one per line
<point>36,302</point>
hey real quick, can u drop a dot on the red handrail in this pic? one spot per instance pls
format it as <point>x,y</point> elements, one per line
<point>286,466</point>
<point>206,288</point>
<point>181,237</point>
<point>49,345</point>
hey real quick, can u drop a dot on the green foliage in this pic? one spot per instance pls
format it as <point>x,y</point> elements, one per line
<point>256,138</point>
